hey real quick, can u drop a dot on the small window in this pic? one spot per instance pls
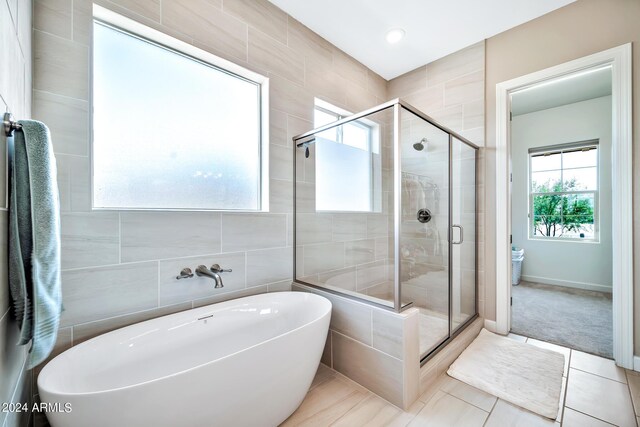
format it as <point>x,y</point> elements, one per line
<point>174,127</point>
<point>348,163</point>
<point>563,192</point>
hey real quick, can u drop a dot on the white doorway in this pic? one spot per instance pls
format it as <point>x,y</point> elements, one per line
<point>619,59</point>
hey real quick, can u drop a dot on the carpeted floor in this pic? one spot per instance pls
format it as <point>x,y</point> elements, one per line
<point>573,318</point>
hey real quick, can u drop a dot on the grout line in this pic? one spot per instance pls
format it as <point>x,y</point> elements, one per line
<point>597,375</point>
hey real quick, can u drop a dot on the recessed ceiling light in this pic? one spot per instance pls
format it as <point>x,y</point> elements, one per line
<point>394,35</point>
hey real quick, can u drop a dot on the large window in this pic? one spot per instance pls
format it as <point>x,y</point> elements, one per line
<point>348,163</point>
<point>174,127</point>
<point>563,192</point>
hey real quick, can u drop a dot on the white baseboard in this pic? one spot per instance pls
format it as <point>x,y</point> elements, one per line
<point>636,363</point>
<point>490,325</point>
<point>567,283</point>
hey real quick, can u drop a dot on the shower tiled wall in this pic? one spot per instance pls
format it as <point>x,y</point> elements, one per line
<point>15,96</point>
<point>451,90</point>
<point>119,267</point>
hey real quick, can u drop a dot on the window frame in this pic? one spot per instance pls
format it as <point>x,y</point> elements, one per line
<point>147,34</point>
<point>564,148</point>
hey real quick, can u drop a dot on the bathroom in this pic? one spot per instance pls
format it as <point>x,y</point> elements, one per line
<point>406,298</point>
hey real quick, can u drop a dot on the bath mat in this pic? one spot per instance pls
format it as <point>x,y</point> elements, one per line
<point>520,373</point>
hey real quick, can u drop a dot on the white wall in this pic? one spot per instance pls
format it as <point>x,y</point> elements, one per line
<point>575,264</point>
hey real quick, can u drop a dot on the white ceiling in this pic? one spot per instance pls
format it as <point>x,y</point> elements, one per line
<point>434,28</point>
<point>562,91</point>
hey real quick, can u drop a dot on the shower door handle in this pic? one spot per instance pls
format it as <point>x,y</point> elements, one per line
<point>458,226</point>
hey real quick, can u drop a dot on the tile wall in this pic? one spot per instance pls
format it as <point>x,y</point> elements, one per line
<point>15,96</point>
<point>120,267</point>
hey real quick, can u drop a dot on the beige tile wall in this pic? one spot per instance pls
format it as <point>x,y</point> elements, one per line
<point>120,267</point>
<point>451,90</point>
<point>15,96</point>
<point>374,347</point>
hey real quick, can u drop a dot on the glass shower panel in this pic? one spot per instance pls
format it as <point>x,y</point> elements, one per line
<point>424,249</point>
<point>463,232</point>
<point>344,208</point>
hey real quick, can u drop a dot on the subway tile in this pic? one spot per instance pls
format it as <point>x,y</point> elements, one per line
<point>283,286</point>
<point>281,162</point>
<point>297,126</point>
<point>473,113</point>
<point>323,257</point>
<point>451,117</point>
<point>350,318</point>
<point>82,21</point>
<point>464,89</point>
<point>101,292</point>
<point>269,265</point>
<point>89,239</point>
<point>158,235</point>
<point>64,341</point>
<point>359,252</point>
<point>376,85</point>
<point>373,369</point>
<point>148,8</point>
<point>358,99</point>
<point>349,227</point>
<point>53,16</point>
<point>278,129</point>
<point>275,57</point>
<point>67,119</point>
<point>456,65</point>
<point>204,21</point>
<point>281,196</point>
<point>290,98</point>
<point>60,66</point>
<point>260,14</point>
<point>427,100</point>
<point>388,333</point>
<point>307,43</point>
<point>86,331</point>
<point>240,231</point>
<point>408,82</point>
<point>349,68</point>
<point>326,83</point>
<point>314,228</point>
<point>344,278</point>
<point>230,295</point>
<point>173,291</point>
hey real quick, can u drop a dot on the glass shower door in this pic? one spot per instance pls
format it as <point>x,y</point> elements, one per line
<point>424,250</point>
<point>463,233</point>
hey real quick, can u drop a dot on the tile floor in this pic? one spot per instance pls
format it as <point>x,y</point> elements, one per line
<point>595,393</point>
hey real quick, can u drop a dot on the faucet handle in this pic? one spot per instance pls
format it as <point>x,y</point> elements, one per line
<point>217,269</point>
<point>185,273</point>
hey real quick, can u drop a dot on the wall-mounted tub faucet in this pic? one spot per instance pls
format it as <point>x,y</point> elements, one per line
<point>213,272</point>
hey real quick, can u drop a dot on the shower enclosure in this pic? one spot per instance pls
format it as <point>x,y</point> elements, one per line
<point>385,212</point>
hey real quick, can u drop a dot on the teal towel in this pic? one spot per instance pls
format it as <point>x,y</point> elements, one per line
<point>34,240</point>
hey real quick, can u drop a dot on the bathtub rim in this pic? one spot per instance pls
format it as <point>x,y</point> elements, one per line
<point>115,389</point>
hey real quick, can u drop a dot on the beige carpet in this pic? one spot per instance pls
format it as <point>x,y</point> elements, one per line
<point>520,373</point>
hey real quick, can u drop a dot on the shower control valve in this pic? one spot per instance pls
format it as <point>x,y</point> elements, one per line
<point>185,273</point>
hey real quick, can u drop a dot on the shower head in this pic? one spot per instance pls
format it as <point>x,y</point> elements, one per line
<point>419,146</point>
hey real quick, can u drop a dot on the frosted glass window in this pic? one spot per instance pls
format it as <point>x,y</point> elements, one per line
<point>171,131</point>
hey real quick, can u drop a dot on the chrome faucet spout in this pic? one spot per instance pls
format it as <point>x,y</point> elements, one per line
<point>203,271</point>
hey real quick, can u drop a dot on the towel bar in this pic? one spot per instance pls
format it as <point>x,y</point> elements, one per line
<point>9,124</point>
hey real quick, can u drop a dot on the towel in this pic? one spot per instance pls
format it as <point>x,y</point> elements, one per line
<point>34,240</point>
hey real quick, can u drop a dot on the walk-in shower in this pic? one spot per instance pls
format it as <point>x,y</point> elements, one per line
<point>385,212</point>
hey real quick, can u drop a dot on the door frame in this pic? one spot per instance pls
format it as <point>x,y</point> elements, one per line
<point>622,230</point>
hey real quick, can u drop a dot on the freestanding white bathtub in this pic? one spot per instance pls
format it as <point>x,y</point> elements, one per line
<point>245,362</point>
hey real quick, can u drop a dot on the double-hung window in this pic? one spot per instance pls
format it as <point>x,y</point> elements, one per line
<point>563,192</point>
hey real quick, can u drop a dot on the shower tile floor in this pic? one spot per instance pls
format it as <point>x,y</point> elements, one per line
<point>595,393</point>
